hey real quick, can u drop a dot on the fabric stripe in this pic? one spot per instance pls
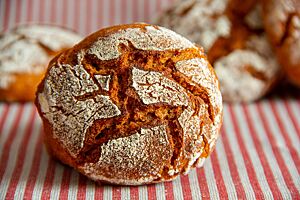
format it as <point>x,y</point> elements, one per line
<point>29,11</point>
<point>168,191</point>
<point>23,11</point>
<point>151,192</point>
<point>289,170</point>
<point>100,14</point>
<point>276,133</point>
<point>218,176</point>
<point>186,187</point>
<point>203,183</point>
<point>126,8</point>
<point>292,116</point>
<point>90,190</point>
<point>288,134</point>
<point>18,11</point>
<point>211,181</point>
<point>22,153</point>
<point>7,15</point>
<point>34,170</point>
<point>232,164</point>
<point>45,15</point>
<point>82,17</point>
<point>143,193</point>
<point>3,11</point>
<point>38,187</point>
<point>226,173</point>
<point>48,182</point>
<point>116,192</point>
<point>262,135</point>
<point>295,109</point>
<point>70,15</point>
<point>256,155</point>
<point>125,193</point>
<point>65,182</point>
<point>57,179</point>
<point>99,192</point>
<point>13,14</point>
<point>263,154</point>
<point>160,191</point>
<point>73,188</point>
<point>107,193</point>
<point>91,8</point>
<point>10,148</point>
<point>249,166</point>
<point>134,192</point>
<point>118,11</point>
<point>35,10</point>
<point>237,154</point>
<point>177,189</point>
<point>11,134</point>
<point>195,189</point>
<point>4,113</point>
<point>81,187</point>
<point>135,13</point>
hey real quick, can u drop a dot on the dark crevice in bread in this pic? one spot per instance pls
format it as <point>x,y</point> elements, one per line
<point>287,27</point>
<point>135,115</point>
<point>255,73</point>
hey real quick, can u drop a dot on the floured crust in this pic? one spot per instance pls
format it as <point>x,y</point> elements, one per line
<point>248,74</point>
<point>24,54</point>
<point>205,16</point>
<point>126,110</point>
<point>232,26</point>
<point>282,22</point>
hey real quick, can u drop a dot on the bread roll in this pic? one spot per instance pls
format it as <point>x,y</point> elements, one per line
<point>24,54</point>
<point>282,22</point>
<point>131,104</point>
<point>229,31</point>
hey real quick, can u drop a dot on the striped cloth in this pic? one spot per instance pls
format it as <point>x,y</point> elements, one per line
<point>257,156</point>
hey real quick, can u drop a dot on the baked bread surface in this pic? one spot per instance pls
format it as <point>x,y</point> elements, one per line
<point>131,104</point>
<point>232,34</point>
<point>282,22</point>
<point>25,52</point>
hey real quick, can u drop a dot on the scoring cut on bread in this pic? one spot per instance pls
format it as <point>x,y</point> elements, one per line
<point>131,104</point>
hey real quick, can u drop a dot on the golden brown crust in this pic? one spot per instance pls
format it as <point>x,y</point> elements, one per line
<point>282,22</point>
<point>227,29</point>
<point>24,54</point>
<point>131,104</point>
<point>24,90</point>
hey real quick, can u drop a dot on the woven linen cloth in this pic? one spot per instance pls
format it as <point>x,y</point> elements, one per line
<point>256,157</point>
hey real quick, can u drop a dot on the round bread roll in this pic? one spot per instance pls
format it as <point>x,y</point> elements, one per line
<point>282,22</point>
<point>232,36</point>
<point>24,55</point>
<point>131,104</point>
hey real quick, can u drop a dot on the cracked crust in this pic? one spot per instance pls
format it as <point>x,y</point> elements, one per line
<point>24,54</point>
<point>282,22</point>
<point>125,110</point>
<point>227,32</point>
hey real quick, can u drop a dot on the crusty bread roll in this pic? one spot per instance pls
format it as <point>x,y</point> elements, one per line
<point>131,104</point>
<point>231,33</point>
<point>24,54</point>
<point>282,22</point>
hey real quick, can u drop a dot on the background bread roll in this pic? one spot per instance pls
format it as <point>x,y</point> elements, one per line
<point>231,32</point>
<point>282,22</point>
<point>24,54</point>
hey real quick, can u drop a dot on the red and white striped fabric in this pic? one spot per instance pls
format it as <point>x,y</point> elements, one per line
<point>257,157</point>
